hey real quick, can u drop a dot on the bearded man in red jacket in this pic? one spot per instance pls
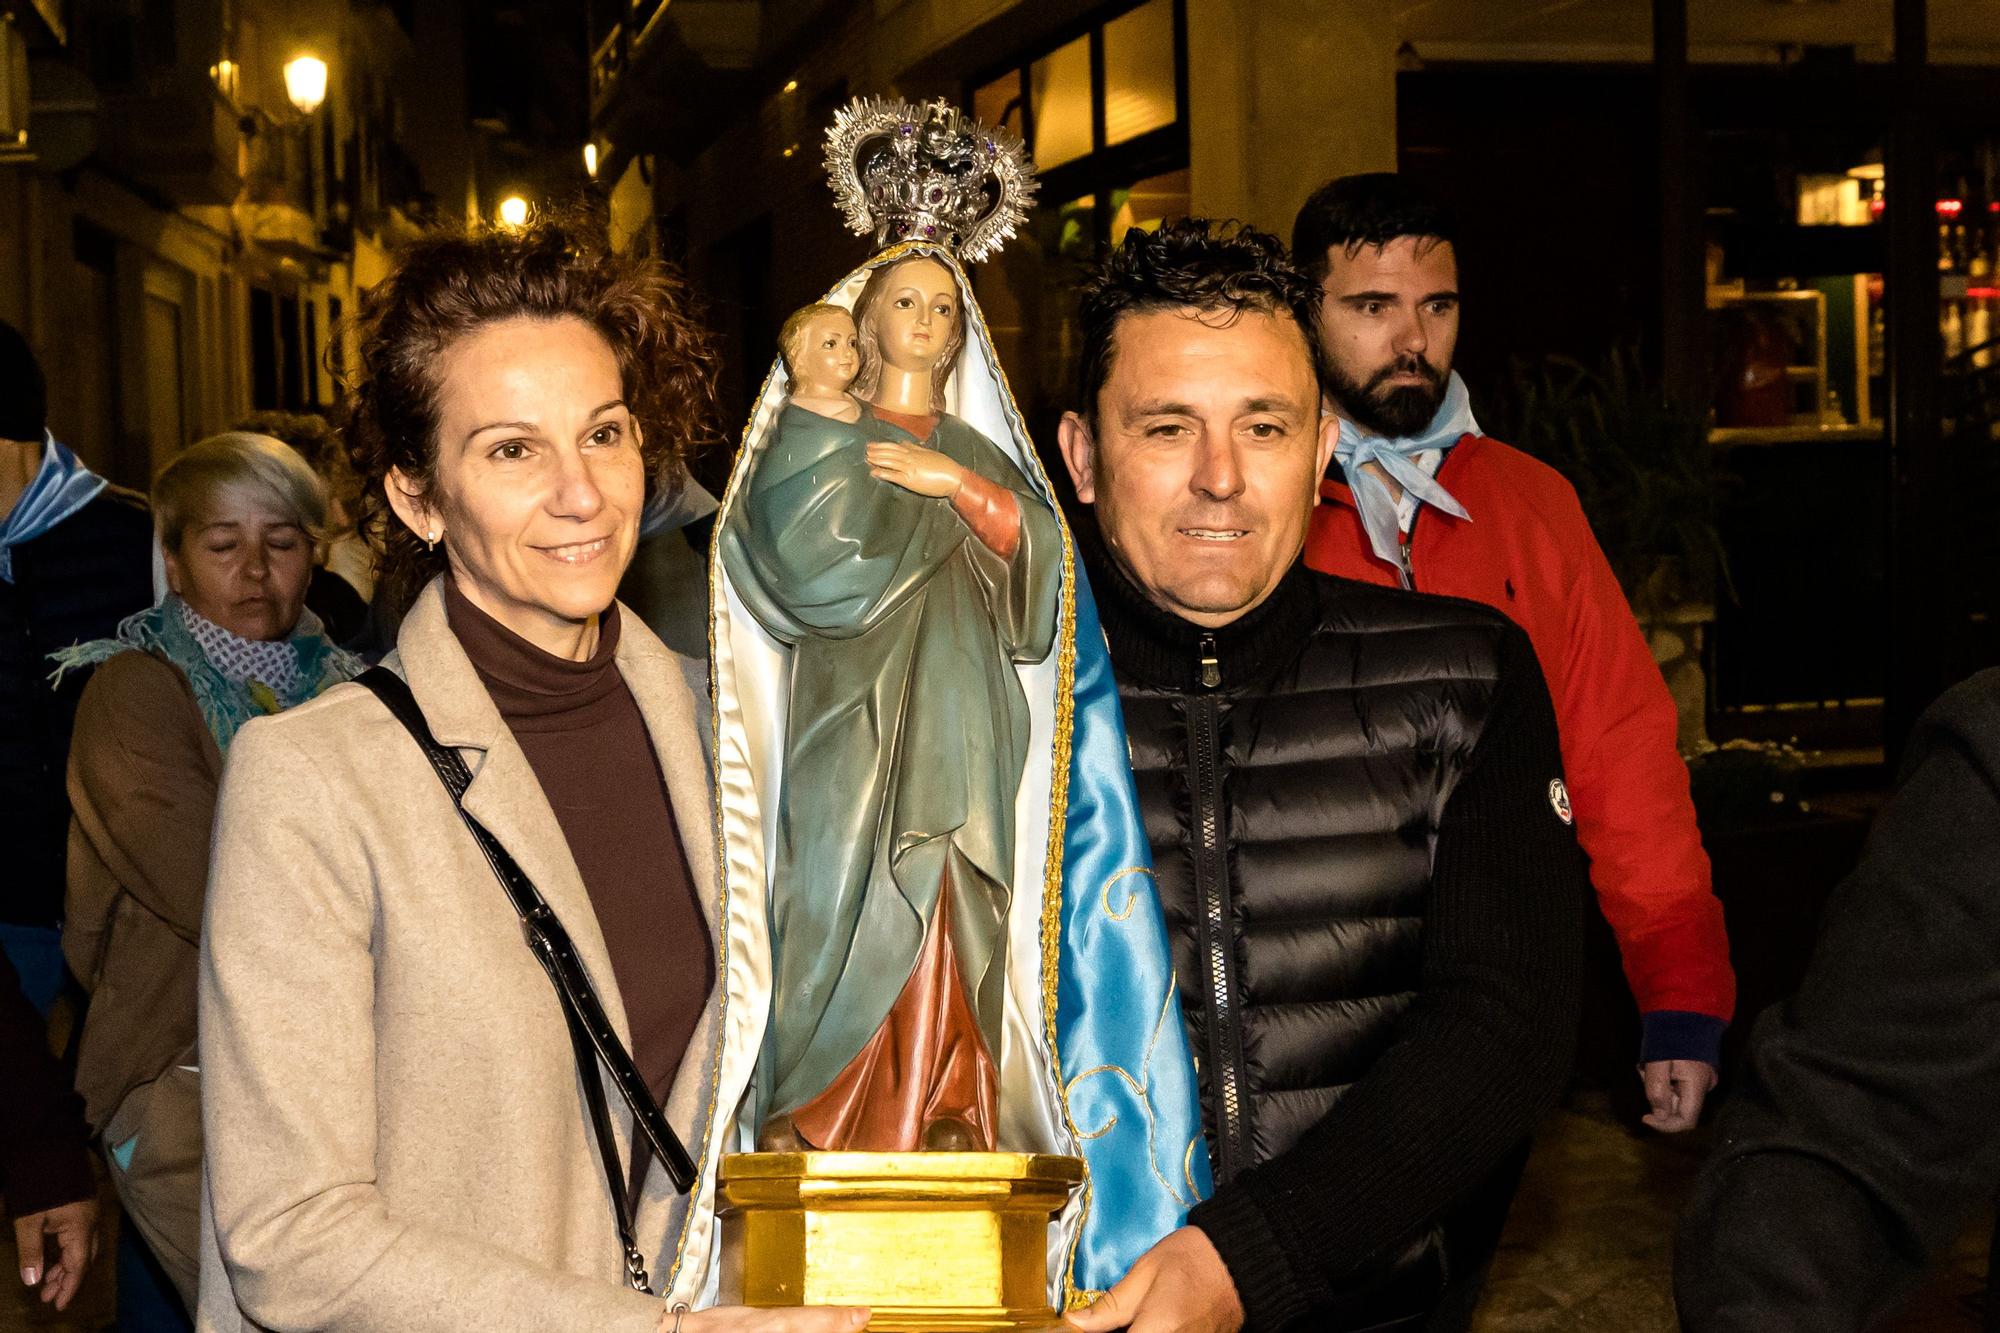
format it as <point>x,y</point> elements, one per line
<point>1419,496</point>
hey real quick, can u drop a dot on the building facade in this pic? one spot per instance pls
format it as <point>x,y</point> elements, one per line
<point>1692,188</point>
<point>186,215</point>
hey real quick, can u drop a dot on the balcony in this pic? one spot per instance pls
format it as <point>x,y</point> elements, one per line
<point>671,64</point>
<point>179,136</point>
<point>276,210</point>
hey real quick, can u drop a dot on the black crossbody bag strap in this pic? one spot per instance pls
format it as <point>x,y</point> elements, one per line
<point>590,1031</point>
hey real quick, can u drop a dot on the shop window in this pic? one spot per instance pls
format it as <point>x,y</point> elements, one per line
<point>1798,381</point>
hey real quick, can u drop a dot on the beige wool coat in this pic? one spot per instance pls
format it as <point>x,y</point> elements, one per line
<point>396,1135</point>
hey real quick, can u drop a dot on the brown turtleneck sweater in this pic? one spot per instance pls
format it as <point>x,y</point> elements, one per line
<point>588,744</point>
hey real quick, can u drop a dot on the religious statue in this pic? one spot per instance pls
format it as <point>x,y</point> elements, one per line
<point>943,934</point>
<point>909,566</point>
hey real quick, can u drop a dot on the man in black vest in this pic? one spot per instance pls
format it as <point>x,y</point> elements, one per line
<point>75,559</point>
<point>1359,827</point>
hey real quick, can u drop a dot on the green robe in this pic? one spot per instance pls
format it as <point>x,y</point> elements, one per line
<point>908,728</point>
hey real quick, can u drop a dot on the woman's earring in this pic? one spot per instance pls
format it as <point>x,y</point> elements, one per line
<point>431,540</point>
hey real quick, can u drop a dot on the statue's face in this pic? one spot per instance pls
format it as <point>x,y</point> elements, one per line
<point>917,316</point>
<point>826,357</point>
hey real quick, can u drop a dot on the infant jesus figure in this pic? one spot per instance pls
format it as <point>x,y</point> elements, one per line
<point>908,566</point>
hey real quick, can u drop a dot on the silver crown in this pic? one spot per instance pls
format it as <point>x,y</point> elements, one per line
<point>905,171</point>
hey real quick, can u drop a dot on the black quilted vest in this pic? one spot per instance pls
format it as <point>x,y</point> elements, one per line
<point>71,584</point>
<point>1292,770</point>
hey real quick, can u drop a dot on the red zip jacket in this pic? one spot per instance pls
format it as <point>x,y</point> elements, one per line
<point>1529,551</point>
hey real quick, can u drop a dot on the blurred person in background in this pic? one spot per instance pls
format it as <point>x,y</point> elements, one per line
<point>343,576</point>
<point>45,1174</point>
<point>237,516</point>
<point>1866,1133</point>
<point>74,561</point>
<point>1422,498</point>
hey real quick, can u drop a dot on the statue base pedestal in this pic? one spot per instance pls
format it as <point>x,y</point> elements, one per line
<point>931,1242</point>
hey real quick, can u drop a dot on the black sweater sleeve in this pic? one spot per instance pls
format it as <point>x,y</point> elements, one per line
<point>1863,1135</point>
<point>1480,1055</point>
<point>44,1159</point>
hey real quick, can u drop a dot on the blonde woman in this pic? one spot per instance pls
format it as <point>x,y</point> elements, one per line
<point>237,516</point>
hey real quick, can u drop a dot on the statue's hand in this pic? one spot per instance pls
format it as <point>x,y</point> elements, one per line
<point>915,468</point>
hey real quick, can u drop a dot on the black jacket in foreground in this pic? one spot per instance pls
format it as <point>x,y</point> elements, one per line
<point>1866,1129</point>
<point>1377,906</point>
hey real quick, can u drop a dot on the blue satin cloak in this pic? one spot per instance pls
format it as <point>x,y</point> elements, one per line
<point>1127,1072</point>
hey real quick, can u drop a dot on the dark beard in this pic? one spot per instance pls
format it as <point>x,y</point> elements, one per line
<point>1392,412</point>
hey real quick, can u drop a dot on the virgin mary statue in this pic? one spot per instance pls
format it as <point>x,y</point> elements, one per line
<point>942,927</point>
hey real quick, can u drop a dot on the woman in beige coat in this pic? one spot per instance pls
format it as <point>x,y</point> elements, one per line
<point>398,1136</point>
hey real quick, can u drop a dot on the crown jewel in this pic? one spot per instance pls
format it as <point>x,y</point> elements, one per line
<point>907,171</point>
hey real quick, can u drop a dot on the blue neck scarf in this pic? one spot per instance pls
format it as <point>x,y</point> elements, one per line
<point>1452,421</point>
<point>62,486</point>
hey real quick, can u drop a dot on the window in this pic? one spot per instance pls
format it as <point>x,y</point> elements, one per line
<point>1104,114</point>
<point>1139,82</point>
<point>1146,204</point>
<point>1059,102</point>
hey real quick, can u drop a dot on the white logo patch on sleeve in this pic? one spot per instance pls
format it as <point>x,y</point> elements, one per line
<point>1559,798</point>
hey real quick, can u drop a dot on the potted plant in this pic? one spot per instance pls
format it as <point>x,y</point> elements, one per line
<point>1645,475</point>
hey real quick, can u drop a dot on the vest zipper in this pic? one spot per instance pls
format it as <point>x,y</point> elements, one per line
<point>1212,921</point>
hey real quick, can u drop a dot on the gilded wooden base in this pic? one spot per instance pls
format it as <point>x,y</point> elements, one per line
<point>931,1242</point>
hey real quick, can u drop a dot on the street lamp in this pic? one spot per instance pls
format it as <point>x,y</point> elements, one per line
<point>590,159</point>
<point>513,211</point>
<point>305,83</point>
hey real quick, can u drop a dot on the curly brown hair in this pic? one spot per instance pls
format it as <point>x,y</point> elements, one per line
<point>1187,264</point>
<point>446,285</point>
